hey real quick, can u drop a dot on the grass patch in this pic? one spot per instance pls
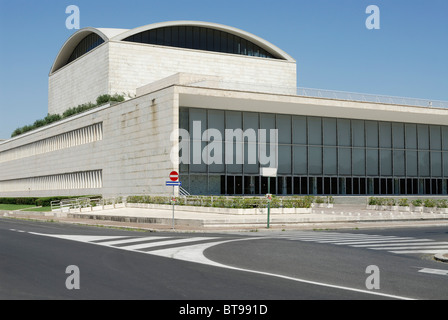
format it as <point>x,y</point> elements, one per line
<point>41,209</point>
<point>15,206</point>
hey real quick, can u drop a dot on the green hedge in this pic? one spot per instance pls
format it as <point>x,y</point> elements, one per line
<point>429,203</point>
<point>50,118</point>
<point>38,202</point>
<point>228,202</point>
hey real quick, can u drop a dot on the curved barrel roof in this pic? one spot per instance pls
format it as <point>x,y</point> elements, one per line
<point>107,34</point>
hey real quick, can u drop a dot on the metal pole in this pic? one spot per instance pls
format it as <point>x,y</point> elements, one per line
<point>173,208</point>
<point>269,202</point>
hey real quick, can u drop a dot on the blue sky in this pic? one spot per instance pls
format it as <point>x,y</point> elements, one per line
<point>334,50</point>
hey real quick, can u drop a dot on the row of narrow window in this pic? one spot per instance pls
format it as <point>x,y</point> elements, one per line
<point>65,181</point>
<point>200,38</point>
<point>66,140</point>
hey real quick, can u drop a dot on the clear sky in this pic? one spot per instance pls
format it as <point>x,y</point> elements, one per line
<point>407,56</point>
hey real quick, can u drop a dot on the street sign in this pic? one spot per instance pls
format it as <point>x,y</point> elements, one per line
<point>174,176</point>
<point>173,183</point>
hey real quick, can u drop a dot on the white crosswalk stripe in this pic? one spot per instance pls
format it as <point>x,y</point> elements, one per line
<point>397,245</point>
<point>185,248</point>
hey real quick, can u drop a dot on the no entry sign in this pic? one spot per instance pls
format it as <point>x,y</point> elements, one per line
<point>174,176</point>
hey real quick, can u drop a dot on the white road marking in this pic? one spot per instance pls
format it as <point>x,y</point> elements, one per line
<point>195,253</point>
<point>434,271</point>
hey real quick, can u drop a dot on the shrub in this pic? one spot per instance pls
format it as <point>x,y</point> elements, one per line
<point>390,202</point>
<point>403,202</point>
<point>372,201</point>
<point>430,203</point>
<point>417,202</point>
<point>50,118</point>
<point>442,203</point>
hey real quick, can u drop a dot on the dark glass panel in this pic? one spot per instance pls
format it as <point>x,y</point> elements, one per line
<point>210,40</point>
<point>182,37</point>
<point>175,36</point>
<point>189,37</point>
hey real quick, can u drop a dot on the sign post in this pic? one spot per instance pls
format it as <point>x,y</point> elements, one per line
<point>269,172</point>
<point>174,176</point>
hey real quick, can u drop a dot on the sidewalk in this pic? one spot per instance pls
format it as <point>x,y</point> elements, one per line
<point>341,216</point>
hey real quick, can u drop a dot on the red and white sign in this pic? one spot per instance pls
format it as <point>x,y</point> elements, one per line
<point>174,176</point>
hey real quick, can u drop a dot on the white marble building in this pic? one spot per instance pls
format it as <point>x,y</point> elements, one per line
<point>175,73</point>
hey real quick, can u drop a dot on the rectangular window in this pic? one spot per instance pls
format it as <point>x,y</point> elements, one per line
<point>358,161</point>
<point>399,164</point>
<point>315,160</point>
<point>299,130</point>
<point>284,159</point>
<point>372,162</point>
<point>329,128</point>
<point>423,137</point>
<point>385,135</point>
<point>145,37</point>
<point>371,134</point>
<point>344,161</point>
<point>175,36</point>
<point>435,138</point>
<point>203,39</point>
<point>398,135</point>
<point>411,163</point>
<point>167,40</point>
<point>445,138</point>
<point>411,136</point>
<point>210,40</point>
<point>358,133</point>
<point>160,36</point>
<point>330,161</point>
<point>445,163</point>
<point>284,129</point>
<point>386,162</point>
<point>436,164</point>
<point>344,132</point>
<point>195,41</point>
<point>223,37</point>
<point>314,131</point>
<point>189,37</point>
<point>153,36</point>
<point>182,37</point>
<point>423,163</point>
<point>300,160</point>
<point>230,43</point>
<point>217,41</point>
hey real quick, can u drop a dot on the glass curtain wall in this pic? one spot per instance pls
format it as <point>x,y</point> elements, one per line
<point>200,38</point>
<point>316,155</point>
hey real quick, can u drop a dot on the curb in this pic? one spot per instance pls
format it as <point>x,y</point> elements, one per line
<point>443,257</point>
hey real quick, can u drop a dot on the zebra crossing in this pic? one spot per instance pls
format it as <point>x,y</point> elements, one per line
<point>393,244</point>
<point>181,248</point>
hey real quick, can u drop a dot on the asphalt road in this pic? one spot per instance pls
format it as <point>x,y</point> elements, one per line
<point>290,265</point>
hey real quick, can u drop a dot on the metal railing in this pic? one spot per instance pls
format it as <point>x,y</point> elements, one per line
<point>364,97</point>
<point>321,93</point>
<point>79,204</point>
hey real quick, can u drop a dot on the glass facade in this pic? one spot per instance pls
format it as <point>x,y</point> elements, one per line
<point>200,38</point>
<point>87,44</point>
<point>317,155</point>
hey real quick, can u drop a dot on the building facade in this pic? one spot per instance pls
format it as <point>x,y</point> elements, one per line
<point>185,75</point>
